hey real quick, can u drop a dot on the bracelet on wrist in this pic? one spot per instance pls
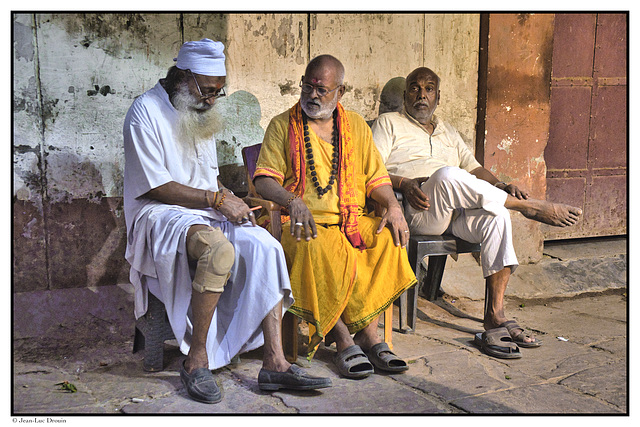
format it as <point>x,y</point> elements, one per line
<point>291,200</point>
<point>400,183</point>
<point>499,182</point>
<point>220,201</point>
<point>208,199</point>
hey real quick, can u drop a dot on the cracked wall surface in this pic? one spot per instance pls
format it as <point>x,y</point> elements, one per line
<point>75,75</point>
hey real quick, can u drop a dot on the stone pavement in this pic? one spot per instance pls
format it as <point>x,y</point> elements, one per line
<point>582,368</point>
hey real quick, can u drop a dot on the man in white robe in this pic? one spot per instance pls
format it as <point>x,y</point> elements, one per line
<point>194,244</point>
<point>447,190</point>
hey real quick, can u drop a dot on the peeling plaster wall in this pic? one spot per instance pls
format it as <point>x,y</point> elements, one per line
<point>75,76</point>
<point>518,113</point>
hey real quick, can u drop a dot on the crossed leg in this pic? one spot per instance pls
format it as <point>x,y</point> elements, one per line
<point>556,214</point>
<point>452,188</point>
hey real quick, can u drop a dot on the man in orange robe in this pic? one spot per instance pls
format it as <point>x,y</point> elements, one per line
<point>319,162</point>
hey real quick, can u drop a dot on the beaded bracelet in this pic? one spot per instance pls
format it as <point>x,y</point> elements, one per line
<point>219,203</point>
<point>291,200</point>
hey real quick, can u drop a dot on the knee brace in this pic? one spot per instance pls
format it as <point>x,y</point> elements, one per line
<point>215,256</point>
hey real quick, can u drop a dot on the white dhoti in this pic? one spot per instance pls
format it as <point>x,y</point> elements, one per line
<point>471,209</point>
<point>259,281</point>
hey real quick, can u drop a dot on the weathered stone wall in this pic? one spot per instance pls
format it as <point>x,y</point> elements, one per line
<point>75,75</point>
<point>518,113</point>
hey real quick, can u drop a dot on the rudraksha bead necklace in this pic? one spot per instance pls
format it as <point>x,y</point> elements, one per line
<point>335,141</point>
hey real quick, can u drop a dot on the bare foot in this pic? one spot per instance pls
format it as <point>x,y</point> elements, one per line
<point>368,337</point>
<point>514,331</point>
<point>556,214</point>
<point>339,335</point>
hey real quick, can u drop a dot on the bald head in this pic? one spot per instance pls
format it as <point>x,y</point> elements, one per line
<point>327,63</point>
<point>322,87</point>
<point>422,72</point>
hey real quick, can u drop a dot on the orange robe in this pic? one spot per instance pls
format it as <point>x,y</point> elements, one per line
<point>330,278</point>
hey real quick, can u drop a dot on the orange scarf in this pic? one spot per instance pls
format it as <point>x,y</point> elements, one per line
<point>346,171</point>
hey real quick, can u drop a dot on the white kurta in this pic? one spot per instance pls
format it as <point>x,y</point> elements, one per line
<point>156,236</point>
<point>461,204</point>
<point>407,149</point>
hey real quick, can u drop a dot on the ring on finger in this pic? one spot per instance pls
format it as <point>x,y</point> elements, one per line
<point>299,223</point>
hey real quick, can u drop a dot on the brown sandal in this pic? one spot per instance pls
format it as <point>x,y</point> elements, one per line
<point>519,337</point>
<point>497,343</point>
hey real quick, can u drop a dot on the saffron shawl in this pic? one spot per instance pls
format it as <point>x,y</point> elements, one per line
<point>346,171</point>
<point>331,278</point>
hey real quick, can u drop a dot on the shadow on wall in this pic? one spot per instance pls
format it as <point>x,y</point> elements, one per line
<point>85,236</point>
<point>240,115</point>
<point>69,242</point>
<point>391,97</point>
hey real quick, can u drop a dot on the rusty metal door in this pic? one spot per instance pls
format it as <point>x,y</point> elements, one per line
<point>587,151</point>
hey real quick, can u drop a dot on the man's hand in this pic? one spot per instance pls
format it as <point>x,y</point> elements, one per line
<point>514,191</point>
<point>394,219</point>
<point>235,209</point>
<point>301,220</point>
<point>410,188</point>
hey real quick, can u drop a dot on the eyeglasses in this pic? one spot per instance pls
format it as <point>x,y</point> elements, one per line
<point>217,94</point>
<point>320,90</point>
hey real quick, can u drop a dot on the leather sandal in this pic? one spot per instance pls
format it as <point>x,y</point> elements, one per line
<point>497,343</point>
<point>518,335</point>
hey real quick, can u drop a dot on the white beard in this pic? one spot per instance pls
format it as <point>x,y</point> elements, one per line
<point>319,110</point>
<point>197,122</point>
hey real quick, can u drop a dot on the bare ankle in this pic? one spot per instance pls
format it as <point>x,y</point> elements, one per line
<point>195,360</point>
<point>276,364</point>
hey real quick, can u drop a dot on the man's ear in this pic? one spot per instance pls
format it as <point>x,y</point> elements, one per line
<point>438,99</point>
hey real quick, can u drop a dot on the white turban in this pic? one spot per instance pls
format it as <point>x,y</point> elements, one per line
<point>204,57</point>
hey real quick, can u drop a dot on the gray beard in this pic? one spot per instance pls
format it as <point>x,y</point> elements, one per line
<point>197,122</point>
<point>322,111</point>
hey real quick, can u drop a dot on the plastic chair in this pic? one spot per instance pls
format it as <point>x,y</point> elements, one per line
<point>151,331</point>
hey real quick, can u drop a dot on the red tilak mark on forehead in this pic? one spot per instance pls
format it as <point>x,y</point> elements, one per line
<point>315,81</point>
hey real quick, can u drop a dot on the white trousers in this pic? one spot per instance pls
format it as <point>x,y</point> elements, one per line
<point>471,209</point>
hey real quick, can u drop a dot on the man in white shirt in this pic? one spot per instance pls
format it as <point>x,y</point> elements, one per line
<point>447,190</point>
<point>193,243</point>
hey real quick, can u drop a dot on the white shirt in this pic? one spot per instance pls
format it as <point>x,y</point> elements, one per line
<point>153,157</point>
<point>408,150</point>
<point>156,237</point>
